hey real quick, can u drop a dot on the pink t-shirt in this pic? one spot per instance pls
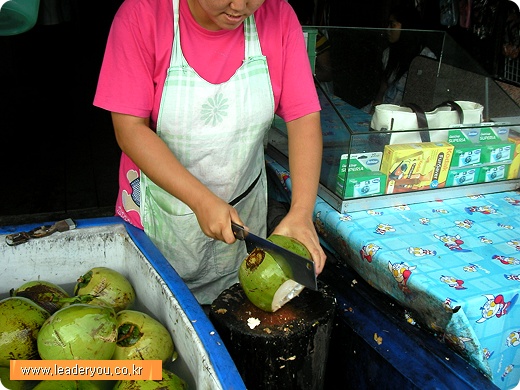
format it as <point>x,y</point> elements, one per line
<point>137,57</point>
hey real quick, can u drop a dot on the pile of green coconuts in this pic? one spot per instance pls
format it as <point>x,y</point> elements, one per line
<point>40,320</point>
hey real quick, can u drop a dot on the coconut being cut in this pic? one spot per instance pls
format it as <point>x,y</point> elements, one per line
<point>263,280</point>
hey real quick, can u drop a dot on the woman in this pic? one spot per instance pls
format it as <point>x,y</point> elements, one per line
<point>193,86</point>
<point>404,46</point>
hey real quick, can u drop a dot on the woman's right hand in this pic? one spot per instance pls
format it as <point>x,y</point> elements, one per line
<point>215,216</point>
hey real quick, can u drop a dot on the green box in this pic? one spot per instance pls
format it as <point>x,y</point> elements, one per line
<point>491,173</point>
<point>310,35</point>
<point>493,134</point>
<point>361,183</point>
<point>466,154</point>
<point>463,135</point>
<point>362,178</point>
<point>459,177</point>
<point>497,152</point>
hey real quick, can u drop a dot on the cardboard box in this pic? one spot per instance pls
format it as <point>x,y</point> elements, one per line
<point>497,153</point>
<point>458,177</point>
<point>514,168</point>
<point>491,173</point>
<point>493,134</point>
<point>362,178</point>
<point>465,155</point>
<point>464,136</point>
<point>414,167</point>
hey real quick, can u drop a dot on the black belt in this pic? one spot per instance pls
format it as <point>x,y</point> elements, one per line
<point>246,192</point>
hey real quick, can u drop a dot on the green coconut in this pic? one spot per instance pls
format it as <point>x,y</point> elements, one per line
<point>79,331</point>
<point>108,287</point>
<point>264,281</point>
<point>46,294</point>
<point>142,337</point>
<point>169,381</point>
<point>20,322</point>
<point>5,380</point>
<point>69,385</point>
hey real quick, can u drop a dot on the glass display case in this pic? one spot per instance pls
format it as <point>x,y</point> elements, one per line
<point>363,168</point>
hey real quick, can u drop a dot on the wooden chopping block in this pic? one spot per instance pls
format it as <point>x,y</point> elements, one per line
<point>286,349</point>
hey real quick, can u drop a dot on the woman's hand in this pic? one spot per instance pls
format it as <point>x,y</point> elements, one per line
<point>304,231</point>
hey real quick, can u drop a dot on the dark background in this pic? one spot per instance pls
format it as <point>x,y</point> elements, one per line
<point>59,152</point>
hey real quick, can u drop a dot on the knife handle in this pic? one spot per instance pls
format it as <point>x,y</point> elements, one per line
<point>238,231</point>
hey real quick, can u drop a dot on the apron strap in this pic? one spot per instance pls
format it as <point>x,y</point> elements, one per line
<point>246,192</point>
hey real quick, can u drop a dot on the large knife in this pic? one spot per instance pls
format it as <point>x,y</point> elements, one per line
<point>296,267</point>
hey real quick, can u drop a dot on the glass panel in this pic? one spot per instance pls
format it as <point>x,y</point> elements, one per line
<point>380,167</point>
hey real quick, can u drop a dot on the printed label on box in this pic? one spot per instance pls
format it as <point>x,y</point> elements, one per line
<point>493,173</point>
<point>413,167</point>
<point>493,134</point>
<point>463,135</point>
<point>458,177</point>
<point>465,155</point>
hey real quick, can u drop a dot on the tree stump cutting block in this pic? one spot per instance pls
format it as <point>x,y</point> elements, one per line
<point>286,349</point>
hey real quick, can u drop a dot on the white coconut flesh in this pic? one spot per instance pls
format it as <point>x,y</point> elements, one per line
<point>287,291</point>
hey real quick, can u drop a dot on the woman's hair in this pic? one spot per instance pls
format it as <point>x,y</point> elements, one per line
<point>409,45</point>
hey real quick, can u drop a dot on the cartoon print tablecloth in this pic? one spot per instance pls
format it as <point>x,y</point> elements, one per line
<point>455,264</point>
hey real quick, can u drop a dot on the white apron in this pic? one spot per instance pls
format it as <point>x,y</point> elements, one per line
<point>217,132</point>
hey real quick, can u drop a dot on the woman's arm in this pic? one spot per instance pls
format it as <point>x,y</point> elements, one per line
<point>139,142</point>
<point>305,155</point>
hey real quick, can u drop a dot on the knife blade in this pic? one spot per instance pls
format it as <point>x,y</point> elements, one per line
<point>296,267</point>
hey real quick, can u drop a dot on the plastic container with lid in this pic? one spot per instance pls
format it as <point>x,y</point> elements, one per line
<point>18,16</point>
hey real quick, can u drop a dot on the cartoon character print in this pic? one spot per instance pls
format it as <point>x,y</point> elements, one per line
<point>440,211</point>
<point>514,277</point>
<point>384,228</point>
<point>420,252</point>
<point>507,260</point>
<point>453,282</point>
<point>487,353</point>
<point>453,243</point>
<point>368,251</point>
<point>512,201</point>
<point>515,244</point>
<point>401,273</point>
<point>485,240</point>
<point>132,201</point>
<point>402,207</point>
<point>466,224</point>
<point>496,306</point>
<point>480,209</point>
<point>424,221</point>
<point>504,226</point>
<point>513,339</point>
<point>470,268</point>
<point>507,371</point>
<point>375,212</point>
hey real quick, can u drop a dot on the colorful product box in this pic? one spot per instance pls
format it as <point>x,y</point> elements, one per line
<point>514,168</point>
<point>459,177</point>
<point>362,178</point>
<point>467,154</point>
<point>464,136</point>
<point>493,134</point>
<point>418,166</point>
<point>491,173</point>
<point>497,153</point>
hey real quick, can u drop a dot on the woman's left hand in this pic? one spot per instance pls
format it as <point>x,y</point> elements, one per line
<point>304,231</point>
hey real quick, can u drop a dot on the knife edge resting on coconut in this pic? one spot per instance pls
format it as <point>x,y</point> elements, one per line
<point>266,284</point>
